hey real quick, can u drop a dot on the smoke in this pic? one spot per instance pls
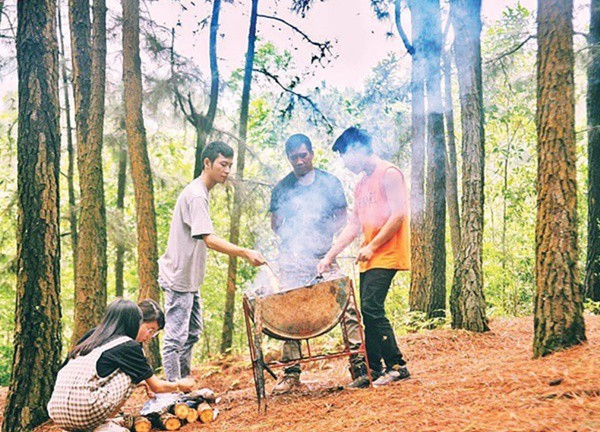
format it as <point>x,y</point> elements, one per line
<point>307,219</point>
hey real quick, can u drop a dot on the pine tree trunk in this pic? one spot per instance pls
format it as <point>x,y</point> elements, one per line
<point>205,123</point>
<point>451,163</point>
<point>120,246</point>
<point>592,273</point>
<point>234,236</point>
<point>420,247</point>
<point>558,319</point>
<point>436,161</point>
<point>70,149</point>
<point>89,69</point>
<point>201,138</point>
<point>37,338</point>
<point>141,172</point>
<point>467,301</point>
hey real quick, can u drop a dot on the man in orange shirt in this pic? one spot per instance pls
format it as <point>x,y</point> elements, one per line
<point>381,213</point>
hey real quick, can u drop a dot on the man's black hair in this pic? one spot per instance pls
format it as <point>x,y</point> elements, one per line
<point>353,137</point>
<point>151,312</point>
<point>295,142</point>
<point>216,148</point>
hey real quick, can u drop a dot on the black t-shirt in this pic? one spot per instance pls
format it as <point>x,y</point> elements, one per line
<point>129,357</point>
<point>307,213</point>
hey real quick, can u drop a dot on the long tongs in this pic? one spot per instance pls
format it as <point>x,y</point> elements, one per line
<point>315,279</point>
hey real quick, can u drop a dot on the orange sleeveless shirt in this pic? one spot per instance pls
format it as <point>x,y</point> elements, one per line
<point>373,211</point>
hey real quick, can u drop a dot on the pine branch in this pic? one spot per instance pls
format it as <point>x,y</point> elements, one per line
<point>324,47</point>
<point>299,96</point>
<point>512,50</point>
<point>397,13</point>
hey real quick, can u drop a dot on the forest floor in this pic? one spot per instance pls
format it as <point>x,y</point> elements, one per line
<point>460,382</point>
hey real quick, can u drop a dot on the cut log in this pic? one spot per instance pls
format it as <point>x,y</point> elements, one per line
<point>205,413</point>
<point>142,424</point>
<point>170,422</point>
<point>192,416</point>
<point>181,410</point>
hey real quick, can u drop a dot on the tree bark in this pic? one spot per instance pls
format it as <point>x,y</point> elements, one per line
<point>467,299</point>
<point>89,69</point>
<point>141,172</point>
<point>205,123</point>
<point>120,252</point>
<point>451,162</point>
<point>234,237</point>
<point>70,149</point>
<point>428,283</point>
<point>37,338</point>
<point>436,161</point>
<point>419,245</point>
<point>558,321</point>
<point>592,271</point>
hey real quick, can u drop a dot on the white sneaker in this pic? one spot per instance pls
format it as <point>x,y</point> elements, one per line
<point>396,373</point>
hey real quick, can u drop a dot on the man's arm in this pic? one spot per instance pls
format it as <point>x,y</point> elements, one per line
<point>347,236</point>
<point>276,222</point>
<point>339,203</point>
<point>276,219</point>
<point>340,217</point>
<point>395,191</point>
<point>218,244</point>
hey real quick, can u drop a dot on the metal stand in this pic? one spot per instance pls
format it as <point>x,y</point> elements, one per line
<point>254,332</point>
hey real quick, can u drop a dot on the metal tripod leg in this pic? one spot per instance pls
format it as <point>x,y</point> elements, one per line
<point>256,355</point>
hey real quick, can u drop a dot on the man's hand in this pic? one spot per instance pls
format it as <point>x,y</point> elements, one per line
<point>365,253</point>
<point>255,258</point>
<point>186,384</point>
<point>324,265</point>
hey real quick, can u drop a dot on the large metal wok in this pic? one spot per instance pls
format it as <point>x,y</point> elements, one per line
<point>304,312</point>
<point>299,314</point>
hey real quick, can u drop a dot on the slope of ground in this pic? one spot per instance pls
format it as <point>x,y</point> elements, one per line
<point>460,382</point>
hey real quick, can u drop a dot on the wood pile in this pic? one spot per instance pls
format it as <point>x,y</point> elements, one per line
<point>170,412</point>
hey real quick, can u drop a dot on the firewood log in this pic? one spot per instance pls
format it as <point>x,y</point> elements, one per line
<point>170,422</point>
<point>192,416</point>
<point>181,410</point>
<point>142,424</point>
<point>205,413</point>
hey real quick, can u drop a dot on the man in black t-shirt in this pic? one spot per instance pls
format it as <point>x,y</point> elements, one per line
<point>308,207</point>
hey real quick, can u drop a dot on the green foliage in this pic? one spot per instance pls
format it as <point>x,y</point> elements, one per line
<point>511,164</point>
<point>8,231</point>
<point>592,306</point>
<point>415,321</point>
<point>6,359</point>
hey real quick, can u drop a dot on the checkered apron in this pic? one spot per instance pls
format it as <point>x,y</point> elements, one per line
<point>82,400</point>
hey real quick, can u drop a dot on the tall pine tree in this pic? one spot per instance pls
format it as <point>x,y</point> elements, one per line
<point>467,301</point>
<point>37,338</point>
<point>558,321</point>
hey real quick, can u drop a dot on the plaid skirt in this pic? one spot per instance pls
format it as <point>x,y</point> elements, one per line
<point>82,400</point>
